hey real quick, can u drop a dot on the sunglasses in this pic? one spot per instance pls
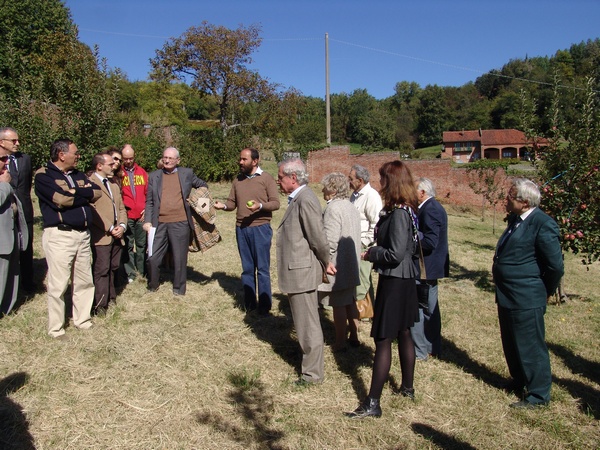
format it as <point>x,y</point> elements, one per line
<point>4,158</point>
<point>117,159</point>
<point>14,141</point>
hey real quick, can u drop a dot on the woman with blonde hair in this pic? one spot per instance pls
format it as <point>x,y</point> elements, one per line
<point>396,307</point>
<point>342,227</point>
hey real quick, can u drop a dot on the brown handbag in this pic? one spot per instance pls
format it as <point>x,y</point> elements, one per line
<point>365,307</point>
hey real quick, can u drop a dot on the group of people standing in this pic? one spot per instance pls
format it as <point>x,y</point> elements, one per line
<point>322,256</point>
<point>87,219</point>
<point>95,225</point>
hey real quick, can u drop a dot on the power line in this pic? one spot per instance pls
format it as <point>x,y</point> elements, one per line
<point>365,47</point>
<point>453,66</point>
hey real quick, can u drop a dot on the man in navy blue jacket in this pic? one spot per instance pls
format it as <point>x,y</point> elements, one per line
<point>433,233</point>
<point>65,195</point>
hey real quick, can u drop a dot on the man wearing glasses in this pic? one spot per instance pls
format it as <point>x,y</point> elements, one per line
<point>527,269</point>
<point>65,195</point>
<point>108,227</point>
<point>169,218</point>
<point>19,166</point>
<point>12,240</point>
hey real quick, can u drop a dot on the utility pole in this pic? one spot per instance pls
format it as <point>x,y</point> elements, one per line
<point>327,104</point>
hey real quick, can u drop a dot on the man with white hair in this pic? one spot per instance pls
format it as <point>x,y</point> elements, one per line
<point>168,212</point>
<point>368,203</point>
<point>527,269</point>
<point>302,257</point>
<point>433,234</point>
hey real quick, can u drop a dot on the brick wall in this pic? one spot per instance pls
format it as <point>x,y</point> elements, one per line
<point>451,183</point>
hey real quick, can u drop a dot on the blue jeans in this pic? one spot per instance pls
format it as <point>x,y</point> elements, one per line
<point>427,332</point>
<point>254,245</point>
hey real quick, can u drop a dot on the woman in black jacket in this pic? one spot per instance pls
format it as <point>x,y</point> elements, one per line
<point>396,307</point>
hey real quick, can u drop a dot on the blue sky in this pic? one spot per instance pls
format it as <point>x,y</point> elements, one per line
<point>372,44</point>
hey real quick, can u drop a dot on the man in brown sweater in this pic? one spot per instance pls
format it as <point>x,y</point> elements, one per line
<point>170,221</point>
<point>255,195</point>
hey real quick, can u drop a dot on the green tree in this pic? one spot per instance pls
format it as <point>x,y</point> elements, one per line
<point>433,115</point>
<point>340,117</point>
<point>569,170</point>
<point>308,131</point>
<point>23,26</point>
<point>215,60</point>
<point>61,87</point>
<point>403,106</point>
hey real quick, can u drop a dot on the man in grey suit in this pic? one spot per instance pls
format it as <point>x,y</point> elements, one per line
<point>13,239</point>
<point>19,166</point>
<point>302,256</point>
<point>171,219</point>
<point>528,266</point>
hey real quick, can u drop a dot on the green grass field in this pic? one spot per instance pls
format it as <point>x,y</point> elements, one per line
<point>160,372</point>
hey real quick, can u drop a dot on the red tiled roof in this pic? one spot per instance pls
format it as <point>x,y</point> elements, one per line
<point>489,137</point>
<point>461,136</point>
<point>503,137</point>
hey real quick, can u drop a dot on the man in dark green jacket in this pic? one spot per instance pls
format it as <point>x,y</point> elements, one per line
<point>528,266</point>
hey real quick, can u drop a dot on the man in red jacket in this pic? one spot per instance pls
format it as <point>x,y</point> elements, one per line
<point>133,190</point>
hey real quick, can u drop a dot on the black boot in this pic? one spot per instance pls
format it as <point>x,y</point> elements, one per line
<point>368,408</point>
<point>407,392</point>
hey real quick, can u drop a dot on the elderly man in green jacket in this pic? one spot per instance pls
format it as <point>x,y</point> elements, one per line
<point>528,266</point>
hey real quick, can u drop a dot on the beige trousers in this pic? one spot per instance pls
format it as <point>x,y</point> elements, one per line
<point>69,259</point>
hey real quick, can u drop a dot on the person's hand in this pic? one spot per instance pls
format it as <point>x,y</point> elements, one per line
<point>147,227</point>
<point>331,270</point>
<point>253,205</point>
<point>142,216</point>
<point>117,232</point>
<point>219,205</point>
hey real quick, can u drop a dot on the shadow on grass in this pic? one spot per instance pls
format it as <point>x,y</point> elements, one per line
<point>29,288</point>
<point>460,358</point>
<point>482,279</point>
<point>350,361</point>
<point>481,247</point>
<point>441,440</point>
<point>14,428</point>
<point>589,398</point>
<point>255,406</point>
<point>577,364</point>
<point>277,332</point>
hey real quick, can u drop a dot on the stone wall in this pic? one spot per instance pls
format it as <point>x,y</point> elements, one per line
<point>451,183</point>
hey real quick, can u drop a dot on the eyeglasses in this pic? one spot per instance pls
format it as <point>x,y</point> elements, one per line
<point>14,141</point>
<point>117,159</point>
<point>511,197</point>
<point>4,158</point>
<point>169,158</point>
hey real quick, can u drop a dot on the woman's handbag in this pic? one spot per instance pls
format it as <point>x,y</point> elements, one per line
<point>422,286</point>
<point>365,307</point>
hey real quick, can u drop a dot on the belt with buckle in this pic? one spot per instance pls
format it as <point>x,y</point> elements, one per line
<point>65,227</point>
